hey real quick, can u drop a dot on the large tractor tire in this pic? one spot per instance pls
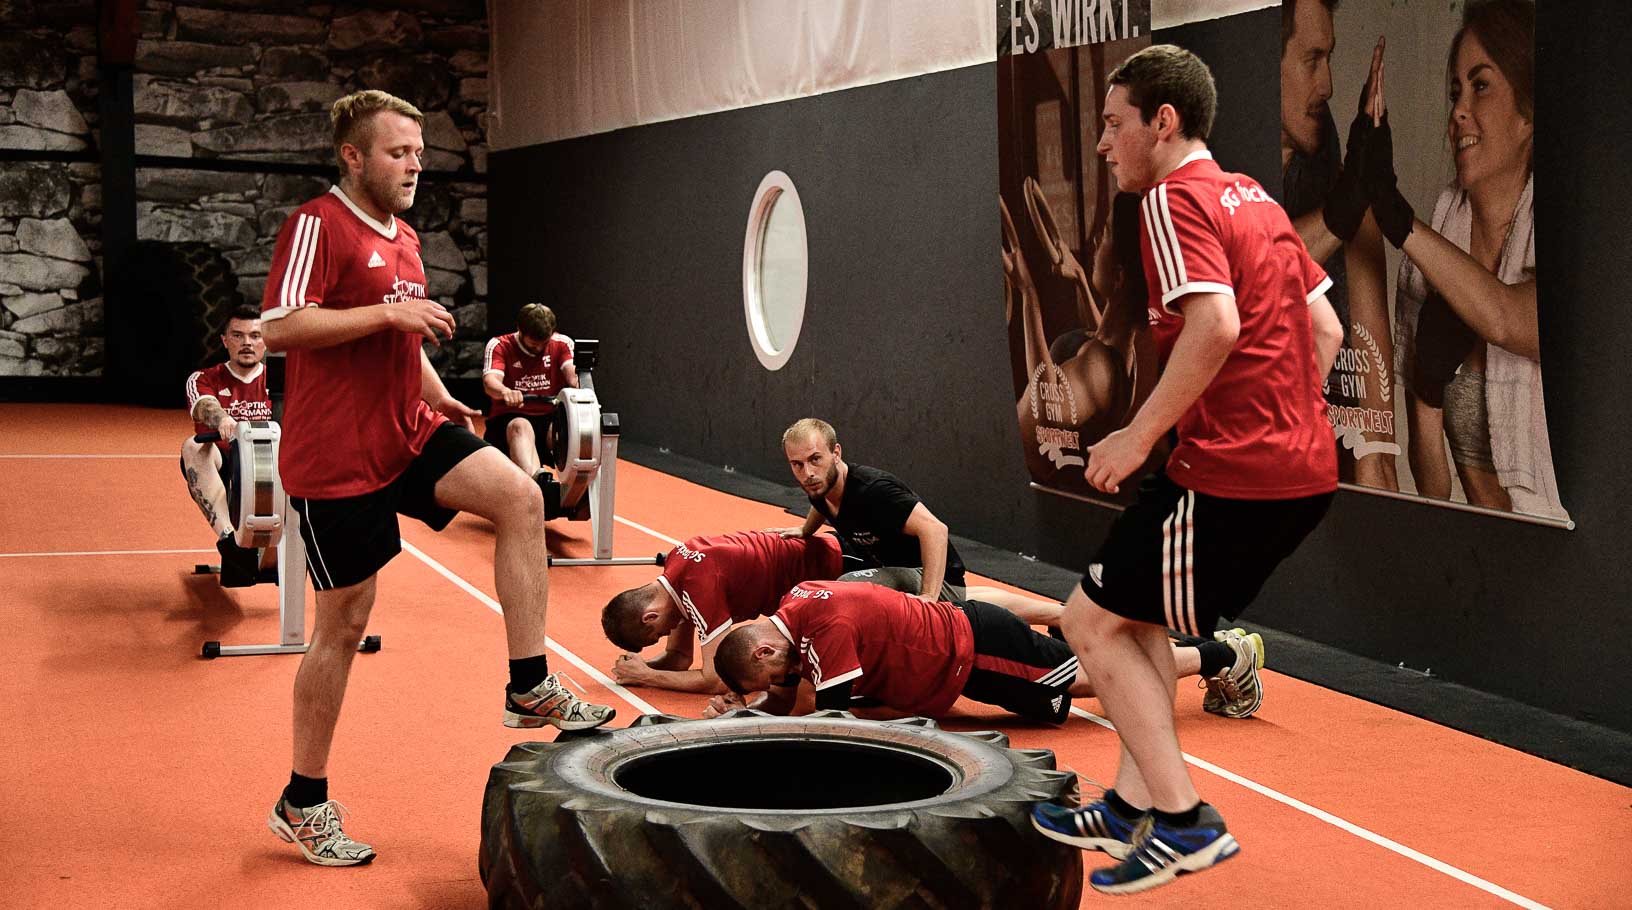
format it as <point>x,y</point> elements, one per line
<point>754,811</point>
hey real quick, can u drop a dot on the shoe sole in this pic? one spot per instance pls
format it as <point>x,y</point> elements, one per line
<point>533,721</point>
<point>1210,855</point>
<point>1117,849</point>
<point>287,835</point>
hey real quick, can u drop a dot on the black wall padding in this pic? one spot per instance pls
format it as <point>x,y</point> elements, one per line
<point>636,237</point>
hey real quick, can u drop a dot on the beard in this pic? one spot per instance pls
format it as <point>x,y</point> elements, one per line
<point>828,481</point>
<point>386,192</point>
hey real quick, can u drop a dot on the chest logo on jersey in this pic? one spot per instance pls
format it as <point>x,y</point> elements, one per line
<point>685,552</point>
<point>1233,197</point>
<point>224,393</point>
<point>402,289</point>
<point>376,261</point>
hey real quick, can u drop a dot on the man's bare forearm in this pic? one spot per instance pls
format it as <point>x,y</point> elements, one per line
<point>1211,327</point>
<point>685,681</point>
<point>316,327</point>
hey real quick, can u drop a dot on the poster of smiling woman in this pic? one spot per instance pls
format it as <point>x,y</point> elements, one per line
<point>1407,137</point>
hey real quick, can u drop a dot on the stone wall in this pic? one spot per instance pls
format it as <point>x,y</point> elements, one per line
<point>50,211</point>
<point>245,80</point>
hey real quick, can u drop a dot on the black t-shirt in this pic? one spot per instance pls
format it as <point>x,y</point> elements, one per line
<point>872,512</point>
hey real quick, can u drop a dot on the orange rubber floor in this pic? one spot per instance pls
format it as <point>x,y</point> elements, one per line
<point>139,775</point>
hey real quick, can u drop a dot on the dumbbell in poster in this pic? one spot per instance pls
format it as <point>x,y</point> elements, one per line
<point>1079,345</point>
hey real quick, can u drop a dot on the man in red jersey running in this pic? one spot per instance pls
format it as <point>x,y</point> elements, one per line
<point>1245,334</point>
<point>367,435</point>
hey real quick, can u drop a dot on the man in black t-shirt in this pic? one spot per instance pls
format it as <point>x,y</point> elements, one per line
<point>890,537</point>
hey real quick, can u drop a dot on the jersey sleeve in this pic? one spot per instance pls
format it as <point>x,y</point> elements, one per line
<point>1185,253</point>
<point>889,504</point>
<point>298,275</point>
<point>493,359</point>
<point>830,654</point>
<point>566,343</point>
<point>195,390</point>
<point>1315,280</point>
<point>703,602</point>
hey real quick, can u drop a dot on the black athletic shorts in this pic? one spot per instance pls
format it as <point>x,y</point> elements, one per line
<point>349,539</point>
<point>1017,668</point>
<point>1182,559</point>
<point>497,433</point>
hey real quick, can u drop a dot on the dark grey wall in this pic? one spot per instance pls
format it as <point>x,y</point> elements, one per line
<point>636,236</point>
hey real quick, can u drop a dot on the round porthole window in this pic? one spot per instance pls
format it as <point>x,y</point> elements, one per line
<point>774,266</point>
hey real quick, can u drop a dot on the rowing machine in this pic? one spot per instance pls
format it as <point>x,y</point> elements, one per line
<point>262,517</point>
<point>584,454</point>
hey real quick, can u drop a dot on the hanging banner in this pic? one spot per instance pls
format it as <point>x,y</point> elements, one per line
<point>1078,337</point>
<point>1438,388</point>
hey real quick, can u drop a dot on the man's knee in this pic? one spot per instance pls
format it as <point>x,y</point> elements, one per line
<point>1084,621</point>
<point>516,498</point>
<point>198,454</point>
<point>519,432</point>
<point>344,611</point>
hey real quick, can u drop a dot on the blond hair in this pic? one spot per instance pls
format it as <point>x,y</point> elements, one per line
<point>536,321</point>
<point>806,426</point>
<point>352,114</point>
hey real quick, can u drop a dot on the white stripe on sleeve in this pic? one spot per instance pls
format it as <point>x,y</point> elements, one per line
<point>1324,286</point>
<point>1157,248</point>
<point>309,256</point>
<point>296,242</point>
<point>1166,222</point>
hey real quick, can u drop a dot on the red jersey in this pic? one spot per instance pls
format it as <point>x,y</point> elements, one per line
<point>353,416</point>
<point>736,577</point>
<point>911,655</point>
<point>242,399</point>
<point>1259,430</point>
<point>542,374</point>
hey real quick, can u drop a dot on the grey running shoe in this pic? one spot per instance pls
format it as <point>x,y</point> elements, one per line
<point>316,831</point>
<point>550,702</point>
<point>1235,692</point>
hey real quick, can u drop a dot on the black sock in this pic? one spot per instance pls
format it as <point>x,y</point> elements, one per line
<point>527,673</point>
<point>1185,819</point>
<point>1122,807</point>
<point>305,792</point>
<point>1216,656</point>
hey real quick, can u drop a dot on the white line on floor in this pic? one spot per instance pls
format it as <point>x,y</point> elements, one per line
<point>101,553</point>
<point>642,528</point>
<point>70,455</point>
<point>639,703</point>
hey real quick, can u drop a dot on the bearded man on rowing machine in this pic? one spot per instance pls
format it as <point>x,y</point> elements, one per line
<point>218,397</point>
<point>523,372</point>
